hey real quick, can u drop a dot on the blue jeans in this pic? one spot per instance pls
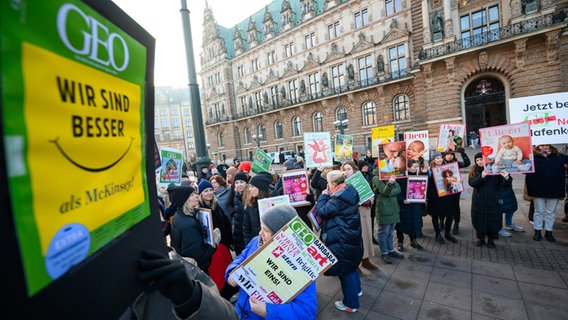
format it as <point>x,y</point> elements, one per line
<point>385,237</point>
<point>350,287</point>
<point>508,218</point>
<point>544,210</point>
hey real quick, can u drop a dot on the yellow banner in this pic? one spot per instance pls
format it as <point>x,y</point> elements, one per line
<point>85,124</point>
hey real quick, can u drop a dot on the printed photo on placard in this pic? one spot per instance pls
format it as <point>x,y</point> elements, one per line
<point>295,185</point>
<point>416,189</point>
<point>507,147</point>
<point>447,179</point>
<point>450,137</point>
<point>381,135</point>
<point>343,147</point>
<point>392,160</point>
<point>417,148</point>
<point>267,203</point>
<point>206,220</point>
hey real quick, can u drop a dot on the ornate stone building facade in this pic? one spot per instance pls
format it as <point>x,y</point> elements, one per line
<point>304,65</point>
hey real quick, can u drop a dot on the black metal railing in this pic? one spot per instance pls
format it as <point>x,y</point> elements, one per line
<point>477,40</point>
<point>324,93</point>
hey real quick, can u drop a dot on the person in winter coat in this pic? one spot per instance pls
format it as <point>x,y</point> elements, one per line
<point>410,212</point>
<point>508,205</point>
<point>303,306</point>
<point>341,233</point>
<point>546,186</point>
<point>486,215</point>
<point>222,193</point>
<point>260,187</point>
<point>239,192</point>
<point>318,181</point>
<point>187,233</point>
<point>177,289</point>
<point>450,157</point>
<point>441,209</point>
<point>222,256</point>
<point>388,214</point>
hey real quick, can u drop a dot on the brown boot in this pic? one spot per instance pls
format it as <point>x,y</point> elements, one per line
<point>367,264</point>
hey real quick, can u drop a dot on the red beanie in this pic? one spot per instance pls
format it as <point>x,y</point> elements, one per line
<point>245,166</point>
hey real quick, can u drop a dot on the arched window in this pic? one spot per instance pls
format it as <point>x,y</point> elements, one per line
<point>278,130</point>
<point>369,113</point>
<point>318,122</point>
<point>296,126</point>
<point>248,135</point>
<point>401,108</point>
<point>341,114</point>
<point>220,139</point>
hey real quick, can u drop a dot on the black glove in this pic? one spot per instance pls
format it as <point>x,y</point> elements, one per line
<point>168,276</point>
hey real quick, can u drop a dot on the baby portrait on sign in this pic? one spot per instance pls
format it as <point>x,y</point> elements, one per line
<point>392,160</point>
<point>507,147</point>
<point>417,148</point>
<point>448,179</point>
<point>450,137</point>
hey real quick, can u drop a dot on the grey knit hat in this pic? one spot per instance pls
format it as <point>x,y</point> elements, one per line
<point>278,216</point>
<point>436,154</point>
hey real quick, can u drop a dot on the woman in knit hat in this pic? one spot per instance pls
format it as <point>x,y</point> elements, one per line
<point>486,216</point>
<point>187,233</point>
<point>246,167</point>
<point>260,187</point>
<point>231,172</point>
<point>441,209</point>
<point>303,306</point>
<point>222,256</point>
<point>239,190</point>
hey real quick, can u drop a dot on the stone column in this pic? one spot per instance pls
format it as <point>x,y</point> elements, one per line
<point>448,27</point>
<point>426,22</point>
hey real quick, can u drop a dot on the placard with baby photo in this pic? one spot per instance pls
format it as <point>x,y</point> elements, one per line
<point>417,150</point>
<point>392,160</point>
<point>447,179</point>
<point>450,137</point>
<point>507,147</point>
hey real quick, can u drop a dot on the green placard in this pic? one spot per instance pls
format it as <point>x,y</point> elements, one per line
<point>361,185</point>
<point>261,161</point>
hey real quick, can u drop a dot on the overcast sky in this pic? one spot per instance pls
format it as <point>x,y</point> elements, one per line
<point>162,19</point>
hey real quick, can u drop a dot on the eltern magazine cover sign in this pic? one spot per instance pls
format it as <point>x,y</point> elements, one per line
<point>507,147</point>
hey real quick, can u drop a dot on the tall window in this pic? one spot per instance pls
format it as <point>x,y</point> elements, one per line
<point>189,134</point>
<point>243,105</point>
<point>241,70</point>
<point>296,126</point>
<point>166,135</point>
<point>248,135</point>
<point>165,123</point>
<point>156,123</point>
<point>393,6</point>
<point>258,100</point>
<point>175,123</point>
<point>271,57</point>
<point>338,75</point>
<point>278,130</point>
<point>221,139</point>
<point>289,48</point>
<point>274,95</point>
<point>187,123</point>
<point>163,111</point>
<point>333,30</point>
<point>340,113</point>
<point>177,134</point>
<point>318,122</point>
<point>480,27</point>
<point>310,40</point>
<point>400,107</point>
<point>365,65</point>
<point>293,87</point>
<point>254,65</point>
<point>361,18</point>
<point>314,84</point>
<point>369,113</point>
<point>397,61</point>
<point>186,111</point>
<point>174,111</point>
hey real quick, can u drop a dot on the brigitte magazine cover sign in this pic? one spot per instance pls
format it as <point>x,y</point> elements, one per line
<point>447,179</point>
<point>507,147</point>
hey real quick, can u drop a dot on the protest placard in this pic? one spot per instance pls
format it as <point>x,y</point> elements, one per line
<point>507,147</point>
<point>206,220</point>
<point>450,137</point>
<point>363,188</point>
<point>343,147</point>
<point>417,148</point>
<point>416,187</point>
<point>267,203</point>
<point>261,161</point>
<point>447,179</point>
<point>170,171</point>
<point>295,185</point>
<point>285,265</point>
<point>381,135</point>
<point>317,146</point>
<point>392,160</point>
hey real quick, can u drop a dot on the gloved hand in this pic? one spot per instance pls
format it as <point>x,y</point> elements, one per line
<point>166,275</point>
<point>216,236</point>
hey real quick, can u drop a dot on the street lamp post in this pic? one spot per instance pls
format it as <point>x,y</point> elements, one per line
<point>341,124</point>
<point>257,138</point>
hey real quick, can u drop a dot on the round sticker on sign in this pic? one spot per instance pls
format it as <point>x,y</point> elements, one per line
<point>486,150</point>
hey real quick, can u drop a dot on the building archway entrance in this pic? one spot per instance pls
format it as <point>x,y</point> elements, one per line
<point>485,103</point>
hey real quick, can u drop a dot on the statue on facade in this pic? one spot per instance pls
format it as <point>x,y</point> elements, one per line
<point>302,87</point>
<point>380,64</point>
<point>324,80</point>
<point>437,22</point>
<point>265,98</point>
<point>350,72</point>
<point>283,93</point>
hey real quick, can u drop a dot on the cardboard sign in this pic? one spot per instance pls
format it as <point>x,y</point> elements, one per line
<point>316,220</point>
<point>448,179</point>
<point>416,187</point>
<point>547,115</point>
<point>261,161</point>
<point>381,135</point>
<point>267,203</point>
<point>450,137</point>
<point>296,187</point>
<point>392,160</point>
<point>343,147</point>
<point>170,171</point>
<point>417,149</point>
<point>507,147</point>
<point>206,220</point>
<point>317,146</point>
<point>363,188</point>
<point>285,265</point>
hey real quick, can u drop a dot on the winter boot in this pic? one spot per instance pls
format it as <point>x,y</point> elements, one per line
<point>537,236</point>
<point>456,229</point>
<point>367,264</point>
<point>451,238</point>
<point>416,245</point>
<point>548,236</point>
<point>439,238</point>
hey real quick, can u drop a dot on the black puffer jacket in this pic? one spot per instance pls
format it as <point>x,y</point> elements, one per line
<point>547,181</point>
<point>486,215</point>
<point>341,231</point>
<point>187,239</point>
